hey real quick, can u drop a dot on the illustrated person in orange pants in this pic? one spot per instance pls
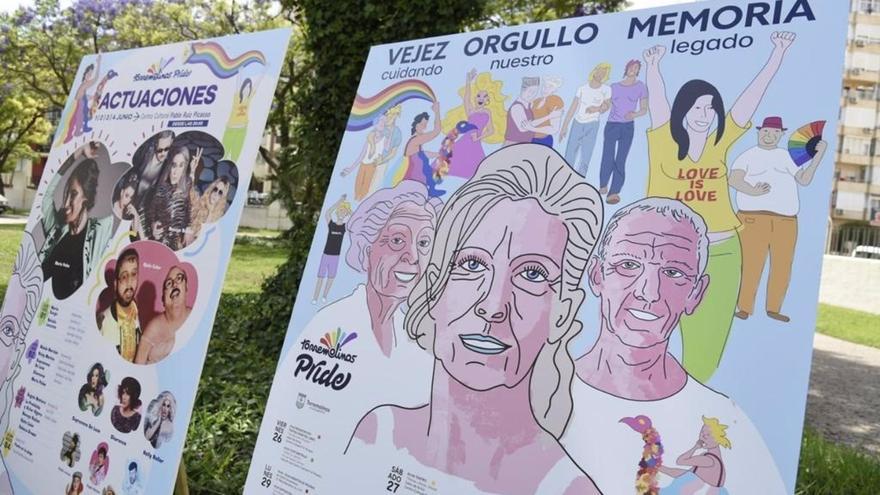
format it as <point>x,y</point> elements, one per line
<point>767,180</point>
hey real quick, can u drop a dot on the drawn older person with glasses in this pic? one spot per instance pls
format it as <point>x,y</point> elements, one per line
<point>158,338</point>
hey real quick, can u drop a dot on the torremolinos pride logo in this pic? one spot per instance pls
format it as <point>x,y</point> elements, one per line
<point>318,370</point>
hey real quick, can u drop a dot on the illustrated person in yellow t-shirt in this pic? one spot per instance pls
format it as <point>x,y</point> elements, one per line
<point>688,162</point>
<point>236,127</point>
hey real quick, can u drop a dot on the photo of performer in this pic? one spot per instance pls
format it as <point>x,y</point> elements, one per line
<point>99,464</point>
<point>207,208</point>
<point>91,395</point>
<point>119,323</point>
<point>496,307</point>
<point>125,202</point>
<point>75,487</point>
<point>149,164</point>
<point>332,247</point>
<point>131,483</point>
<point>70,449</point>
<point>125,416</point>
<point>159,421</point>
<point>159,336</point>
<point>108,490</point>
<point>167,212</point>
<point>589,103</point>
<point>74,240</point>
<point>683,145</point>
<point>629,101</point>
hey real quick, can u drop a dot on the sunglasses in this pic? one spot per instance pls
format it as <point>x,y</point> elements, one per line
<point>217,190</point>
<point>163,150</point>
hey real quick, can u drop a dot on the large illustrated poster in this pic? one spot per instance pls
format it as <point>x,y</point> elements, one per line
<point>112,298</point>
<point>572,257</point>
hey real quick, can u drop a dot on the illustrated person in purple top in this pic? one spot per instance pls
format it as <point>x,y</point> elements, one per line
<point>629,101</point>
<point>519,115</point>
<point>333,246</point>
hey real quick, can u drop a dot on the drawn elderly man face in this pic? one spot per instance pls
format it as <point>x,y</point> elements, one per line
<point>649,277</point>
<point>494,314</point>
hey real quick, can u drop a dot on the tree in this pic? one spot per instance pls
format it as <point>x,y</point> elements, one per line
<point>22,127</point>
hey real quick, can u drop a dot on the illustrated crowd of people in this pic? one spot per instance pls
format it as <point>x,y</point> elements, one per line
<point>474,290</point>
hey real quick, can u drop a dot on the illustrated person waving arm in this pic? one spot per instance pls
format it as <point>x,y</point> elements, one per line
<point>658,104</point>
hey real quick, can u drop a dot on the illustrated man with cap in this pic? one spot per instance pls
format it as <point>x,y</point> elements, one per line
<point>767,180</point>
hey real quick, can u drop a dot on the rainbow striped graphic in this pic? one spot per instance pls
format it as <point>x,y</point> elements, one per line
<point>802,144</point>
<point>159,66</point>
<point>338,338</point>
<point>365,110</point>
<point>214,56</point>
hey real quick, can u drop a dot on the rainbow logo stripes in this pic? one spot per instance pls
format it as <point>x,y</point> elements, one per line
<point>365,111</point>
<point>222,65</point>
<point>337,339</point>
<point>158,67</point>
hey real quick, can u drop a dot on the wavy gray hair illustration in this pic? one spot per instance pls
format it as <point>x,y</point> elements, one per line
<point>519,172</point>
<point>373,213</point>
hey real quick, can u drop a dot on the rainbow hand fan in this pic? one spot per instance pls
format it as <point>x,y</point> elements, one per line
<point>802,144</point>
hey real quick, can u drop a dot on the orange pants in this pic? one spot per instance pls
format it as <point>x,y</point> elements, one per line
<point>363,180</point>
<point>766,233</point>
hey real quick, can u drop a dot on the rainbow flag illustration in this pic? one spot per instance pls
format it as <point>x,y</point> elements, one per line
<point>222,65</point>
<point>365,110</point>
<point>331,339</point>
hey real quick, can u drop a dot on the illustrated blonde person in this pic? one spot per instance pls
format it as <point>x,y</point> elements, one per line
<point>589,103</point>
<point>688,143</point>
<point>119,323</point>
<point>341,209</point>
<point>236,126</point>
<point>381,144</point>
<point>496,307</point>
<point>706,473</point>
<point>547,111</point>
<point>648,272</point>
<point>483,109</point>
<point>767,182</point>
<point>160,333</point>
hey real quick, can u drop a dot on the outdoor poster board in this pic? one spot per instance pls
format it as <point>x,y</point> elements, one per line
<point>475,317</point>
<point>112,298</point>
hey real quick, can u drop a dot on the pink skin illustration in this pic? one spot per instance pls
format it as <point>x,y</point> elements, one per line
<point>500,303</point>
<point>647,275</point>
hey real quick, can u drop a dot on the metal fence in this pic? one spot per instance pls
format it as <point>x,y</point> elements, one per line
<point>844,239</point>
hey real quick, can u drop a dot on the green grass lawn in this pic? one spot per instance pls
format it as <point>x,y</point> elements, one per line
<point>847,324</point>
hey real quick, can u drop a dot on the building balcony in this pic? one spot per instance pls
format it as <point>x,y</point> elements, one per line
<point>874,188</point>
<point>852,186</point>
<point>858,102</point>
<point>856,75</point>
<point>865,18</point>
<point>851,159</point>
<point>848,130</point>
<point>841,214</point>
<point>864,46</point>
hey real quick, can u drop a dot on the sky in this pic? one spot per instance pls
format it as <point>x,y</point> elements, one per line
<point>10,5</point>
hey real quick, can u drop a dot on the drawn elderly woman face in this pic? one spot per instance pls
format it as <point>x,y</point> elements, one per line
<point>494,314</point>
<point>11,330</point>
<point>399,254</point>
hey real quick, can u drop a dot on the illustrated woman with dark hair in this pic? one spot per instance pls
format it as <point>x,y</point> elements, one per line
<point>688,162</point>
<point>91,395</point>
<point>74,240</point>
<point>236,127</point>
<point>168,212</point>
<point>125,416</point>
<point>418,161</point>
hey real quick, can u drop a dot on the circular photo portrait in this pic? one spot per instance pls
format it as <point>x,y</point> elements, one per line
<point>99,463</point>
<point>75,486</point>
<point>109,490</point>
<point>76,223</point>
<point>91,394</point>
<point>159,423</point>
<point>132,483</point>
<point>70,451</point>
<point>149,295</point>
<point>182,185</point>
<point>126,416</point>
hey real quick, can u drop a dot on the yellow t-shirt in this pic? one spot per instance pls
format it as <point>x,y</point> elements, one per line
<point>239,116</point>
<point>701,185</point>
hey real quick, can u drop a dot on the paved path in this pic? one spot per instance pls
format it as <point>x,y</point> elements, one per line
<point>10,220</point>
<point>844,399</point>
